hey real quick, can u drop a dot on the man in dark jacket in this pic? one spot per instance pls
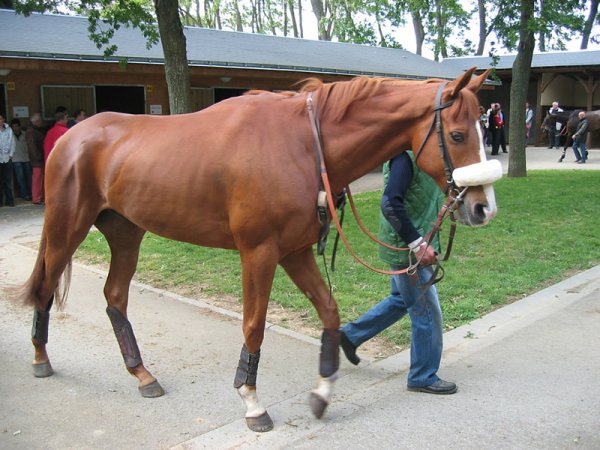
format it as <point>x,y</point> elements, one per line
<point>579,139</point>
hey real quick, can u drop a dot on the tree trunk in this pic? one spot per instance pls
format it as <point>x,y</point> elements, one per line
<point>482,27</point>
<point>419,31</point>
<point>589,23</point>
<point>300,20</point>
<point>319,11</point>
<point>238,17</point>
<point>517,163</point>
<point>293,18</point>
<point>174,47</point>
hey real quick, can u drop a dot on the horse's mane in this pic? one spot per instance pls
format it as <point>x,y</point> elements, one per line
<point>346,92</point>
<point>336,97</point>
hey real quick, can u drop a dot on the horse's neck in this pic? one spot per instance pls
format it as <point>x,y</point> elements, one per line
<point>368,136</point>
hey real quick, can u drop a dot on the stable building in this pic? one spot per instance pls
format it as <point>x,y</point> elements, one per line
<point>570,78</point>
<point>47,60</point>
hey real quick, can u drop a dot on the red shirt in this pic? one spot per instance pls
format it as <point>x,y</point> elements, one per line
<point>52,136</point>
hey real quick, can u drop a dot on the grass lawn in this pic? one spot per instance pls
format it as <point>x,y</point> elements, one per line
<point>546,230</point>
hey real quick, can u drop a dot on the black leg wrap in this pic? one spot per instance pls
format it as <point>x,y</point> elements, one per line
<point>329,361</point>
<point>125,337</point>
<point>247,368</point>
<point>41,319</point>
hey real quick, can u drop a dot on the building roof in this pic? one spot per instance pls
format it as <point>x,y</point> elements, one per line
<point>62,37</point>
<point>568,59</point>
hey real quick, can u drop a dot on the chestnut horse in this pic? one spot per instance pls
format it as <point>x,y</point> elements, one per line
<point>243,175</point>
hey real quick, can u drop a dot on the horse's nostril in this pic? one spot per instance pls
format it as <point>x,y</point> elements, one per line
<point>481,210</point>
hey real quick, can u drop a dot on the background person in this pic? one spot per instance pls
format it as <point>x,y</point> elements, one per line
<point>21,165</point>
<point>59,128</point>
<point>35,146</point>
<point>7,150</point>
<point>554,131</point>
<point>79,116</point>
<point>580,137</point>
<point>496,126</point>
<point>528,122</point>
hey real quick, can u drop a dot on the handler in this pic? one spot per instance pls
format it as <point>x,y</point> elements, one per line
<point>409,206</point>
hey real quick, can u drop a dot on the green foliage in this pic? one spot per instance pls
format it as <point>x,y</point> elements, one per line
<point>104,17</point>
<point>544,231</point>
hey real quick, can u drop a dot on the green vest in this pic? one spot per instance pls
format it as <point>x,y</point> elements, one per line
<point>423,202</point>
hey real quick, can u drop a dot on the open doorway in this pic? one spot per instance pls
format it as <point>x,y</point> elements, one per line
<point>126,99</point>
<point>224,93</point>
<point>3,101</point>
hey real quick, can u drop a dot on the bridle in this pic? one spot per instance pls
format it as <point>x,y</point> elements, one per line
<point>327,207</point>
<point>439,128</point>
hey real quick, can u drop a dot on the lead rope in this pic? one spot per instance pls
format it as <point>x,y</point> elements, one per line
<point>329,197</point>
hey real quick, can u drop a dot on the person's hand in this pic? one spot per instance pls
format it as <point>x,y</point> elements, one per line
<point>425,254</point>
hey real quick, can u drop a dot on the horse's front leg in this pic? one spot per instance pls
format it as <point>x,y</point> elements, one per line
<point>304,272</point>
<point>258,270</point>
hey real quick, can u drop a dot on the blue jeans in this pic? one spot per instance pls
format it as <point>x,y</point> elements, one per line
<point>23,178</point>
<point>580,150</point>
<point>423,307</point>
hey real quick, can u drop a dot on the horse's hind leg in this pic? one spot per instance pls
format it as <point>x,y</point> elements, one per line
<point>124,240</point>
<point>39,337</point>
<point>61,236</point>
<point>304,272</point>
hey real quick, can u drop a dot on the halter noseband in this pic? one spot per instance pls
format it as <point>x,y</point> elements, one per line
<point>437,120</point>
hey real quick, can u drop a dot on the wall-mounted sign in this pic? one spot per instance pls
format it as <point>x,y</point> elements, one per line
<point>149,88</point>
<point>20,111</point>
<point>156,109</point>
<point>10,86</point>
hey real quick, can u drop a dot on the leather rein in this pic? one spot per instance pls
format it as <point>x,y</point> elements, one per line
<point>327,207</point>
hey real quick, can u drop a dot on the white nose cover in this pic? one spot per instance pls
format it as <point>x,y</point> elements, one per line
<point>479,174</point>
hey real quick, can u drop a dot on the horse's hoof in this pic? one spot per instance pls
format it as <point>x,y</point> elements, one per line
<point>152,390</point>
<point>317,404</point>
<point>42,370</point>
<point>261,423</point>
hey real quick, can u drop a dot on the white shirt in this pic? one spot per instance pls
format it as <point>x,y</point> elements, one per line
<point>7,144</point>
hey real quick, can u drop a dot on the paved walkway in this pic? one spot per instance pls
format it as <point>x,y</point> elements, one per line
<point>528,373</point>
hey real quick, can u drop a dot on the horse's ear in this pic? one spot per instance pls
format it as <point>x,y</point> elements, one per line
<point>476,83</point>
<point>454,87</point>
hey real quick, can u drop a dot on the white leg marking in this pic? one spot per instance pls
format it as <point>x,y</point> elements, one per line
<point>324,387</point>
<point>253,407</point>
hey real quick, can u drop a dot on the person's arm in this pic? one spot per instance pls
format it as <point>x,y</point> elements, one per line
<point>394,210</point>
<point>582,129</point>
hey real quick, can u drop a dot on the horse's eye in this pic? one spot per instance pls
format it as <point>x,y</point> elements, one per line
<point>457,136</point>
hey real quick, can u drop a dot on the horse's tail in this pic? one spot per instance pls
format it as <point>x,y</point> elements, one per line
<point>31,290</point>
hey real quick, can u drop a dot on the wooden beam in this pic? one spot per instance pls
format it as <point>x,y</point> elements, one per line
<point>547,83</point>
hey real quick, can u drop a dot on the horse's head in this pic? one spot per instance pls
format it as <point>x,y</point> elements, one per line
<point>455,158</point>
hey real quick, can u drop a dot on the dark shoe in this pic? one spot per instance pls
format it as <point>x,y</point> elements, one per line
<point>550,147</point>
<point>561,158</point>
<point>440,387</point>
<point>349,349</point>
<point>578,162</point>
